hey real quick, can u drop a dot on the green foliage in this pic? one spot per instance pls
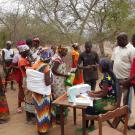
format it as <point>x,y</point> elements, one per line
<point>32,27</point>
<point>111,17</point>
<point>118,13</point>
<point>120,17</point>
<point>3,38</point>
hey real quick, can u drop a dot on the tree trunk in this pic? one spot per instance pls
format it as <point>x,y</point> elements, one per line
<point>101,47</point>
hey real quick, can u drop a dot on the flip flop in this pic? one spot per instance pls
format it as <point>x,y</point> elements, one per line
<point>89,129</point>
<point>19,110</point>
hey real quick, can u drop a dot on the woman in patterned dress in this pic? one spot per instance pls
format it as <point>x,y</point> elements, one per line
<point>43,109</point>
<point>4,110</point>
<point>23,64</point>
<point>58,86</point>
<point>107,94</point>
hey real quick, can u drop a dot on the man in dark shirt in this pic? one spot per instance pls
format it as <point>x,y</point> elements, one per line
<point>90,60</point>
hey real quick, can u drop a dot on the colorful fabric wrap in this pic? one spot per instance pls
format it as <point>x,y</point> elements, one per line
<point>22,46</point>
<point>4,110</point>
<point>62,49</point>
<point>104,104</point>
<point>44,112</point>
<point>106,64</point>
<point>45,55</point>
<point>57,112</point>
<point>36,39</point>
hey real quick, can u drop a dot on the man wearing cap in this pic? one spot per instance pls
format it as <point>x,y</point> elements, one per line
<point>7,56</point>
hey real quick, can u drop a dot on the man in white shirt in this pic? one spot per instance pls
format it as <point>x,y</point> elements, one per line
<point>7,53</point>
<point>122,57</point>
<point>7,56</point>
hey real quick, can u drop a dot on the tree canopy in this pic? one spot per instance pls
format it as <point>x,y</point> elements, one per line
<point>65,22</point>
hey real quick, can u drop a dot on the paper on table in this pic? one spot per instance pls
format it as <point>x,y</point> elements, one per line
<point>86,101</point>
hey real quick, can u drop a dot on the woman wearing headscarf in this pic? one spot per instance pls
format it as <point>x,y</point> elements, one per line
<point>24,63</point>
<point>43,108</point>
<point>107,94</point>
<point>75,56</point>
<point>4,110</point>
<point>59,72</point>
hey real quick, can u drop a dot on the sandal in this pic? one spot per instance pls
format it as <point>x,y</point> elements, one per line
<point>19,110</point>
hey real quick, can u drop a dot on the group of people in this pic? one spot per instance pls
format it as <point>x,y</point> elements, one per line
<point>45,60</point>
<point>50,62</point>
<point>123,58</point>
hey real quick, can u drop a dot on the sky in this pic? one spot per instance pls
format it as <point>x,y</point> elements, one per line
<point>11,5</point>
<point>8,5</point>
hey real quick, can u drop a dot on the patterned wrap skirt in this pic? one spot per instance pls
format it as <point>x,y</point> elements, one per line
<point>4,110</point>
<point>28,99</point>
<point>44,112</point>
<point>105,104</point>
<point>6,68</point>
<point>102,106</point>
<point>17,76</point>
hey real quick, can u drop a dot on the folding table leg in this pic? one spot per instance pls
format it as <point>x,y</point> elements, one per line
<point>62,119</point>
<point>74,114</point>
<point>83,122</point>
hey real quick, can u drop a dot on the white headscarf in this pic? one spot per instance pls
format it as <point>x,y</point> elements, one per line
<point>23,48</point>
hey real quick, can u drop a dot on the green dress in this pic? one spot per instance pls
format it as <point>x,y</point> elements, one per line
<point>106,103</point>
<point>109,102</point>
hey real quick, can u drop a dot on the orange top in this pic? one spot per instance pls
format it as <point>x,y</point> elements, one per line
<point>23,62</point>
<point>75,54</point>
<point>78,75</point>
<point>39,64</point>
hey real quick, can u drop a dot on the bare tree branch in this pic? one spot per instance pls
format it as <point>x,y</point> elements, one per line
<point>92,4</point>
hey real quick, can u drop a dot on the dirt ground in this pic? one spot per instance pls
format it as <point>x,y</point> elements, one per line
<point>18,125</point>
